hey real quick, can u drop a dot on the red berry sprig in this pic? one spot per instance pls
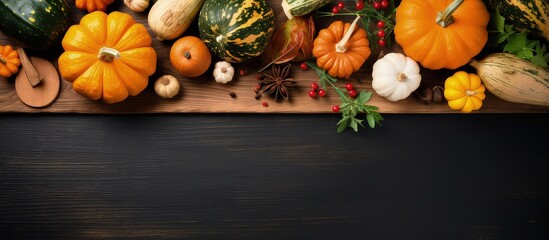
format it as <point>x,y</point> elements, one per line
<point>378,12</point>
<point>316,91</point>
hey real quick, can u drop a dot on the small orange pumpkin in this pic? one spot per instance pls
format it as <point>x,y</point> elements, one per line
<point>93,5</point>
<point>107,57</point>
<point>9,61</point>
<point>341,49</point>
<point>441,33</point>
<point>190,56</point>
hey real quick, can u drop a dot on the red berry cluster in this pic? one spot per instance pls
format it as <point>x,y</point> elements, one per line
<point>380,4</point>
<point>351,90</point>
<point>316,91</point>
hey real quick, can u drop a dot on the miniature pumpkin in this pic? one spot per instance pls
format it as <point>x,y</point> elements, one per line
<point>464,91</point>
<point>9,61</point>
<point>223,72</point>
<point>190,56</point>
<point>167,86</point>
<point>341,49</point>
<point>441,33</point>
<point>395,76</point>
<point>107,57</point>
<point>137,5</point>
<point>93,5</point>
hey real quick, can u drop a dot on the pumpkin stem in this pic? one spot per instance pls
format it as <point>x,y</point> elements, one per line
<point>341,46</point>
<point>223,69</point>
<point>444,19</point>
<point>401,77</point>
<point>187,55</point>
<point>2,60</point>
<point>470,93</point>
<point>107,54</point>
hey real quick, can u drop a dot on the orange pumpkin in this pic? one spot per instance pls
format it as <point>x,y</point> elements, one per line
<point>93,5</point>
<point>441,33</point>
<point>341,49</point>
<point>190,56</point>
<point>107,57</point>
<point>9,61</point>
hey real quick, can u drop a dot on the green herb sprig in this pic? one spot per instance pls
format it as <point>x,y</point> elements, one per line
<point>517,43</point>
<point>350,107</point>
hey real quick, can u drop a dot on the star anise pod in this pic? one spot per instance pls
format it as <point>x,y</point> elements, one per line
<point>276,82</point>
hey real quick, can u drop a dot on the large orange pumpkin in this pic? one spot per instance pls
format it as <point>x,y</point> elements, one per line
<point>341,49</point>
<point>441,33</point>
<point>107,57</point>
<point>93,5</point>
<point>190,56</point>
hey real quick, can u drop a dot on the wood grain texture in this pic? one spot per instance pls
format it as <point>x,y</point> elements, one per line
<point>215,176</point>
<point>203,95</point>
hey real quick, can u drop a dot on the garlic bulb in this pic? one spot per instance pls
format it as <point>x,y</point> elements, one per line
<point>166,86</point>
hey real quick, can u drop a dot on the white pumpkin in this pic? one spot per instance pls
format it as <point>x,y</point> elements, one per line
<point>223,72</point>
<point>395,76</point>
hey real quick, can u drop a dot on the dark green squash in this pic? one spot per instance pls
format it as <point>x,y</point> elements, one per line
<point>236,30</point>
<point>35,24</point>
<point>529,15</point>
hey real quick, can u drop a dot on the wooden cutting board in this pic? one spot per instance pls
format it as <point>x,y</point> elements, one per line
<point>204,95</point>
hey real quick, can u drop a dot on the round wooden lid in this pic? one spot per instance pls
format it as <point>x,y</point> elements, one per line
<point>44,93</point>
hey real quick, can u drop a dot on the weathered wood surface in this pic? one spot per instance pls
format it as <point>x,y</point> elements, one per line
<point>211,176</point>
<point>203,95</point>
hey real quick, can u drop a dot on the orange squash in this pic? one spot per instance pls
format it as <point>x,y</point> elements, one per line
<point>441,33</point>
<point>107,57</point>
<point>9,61</point>
<point>190,56</point>
<point>341,49</point>
<point>93,5</point>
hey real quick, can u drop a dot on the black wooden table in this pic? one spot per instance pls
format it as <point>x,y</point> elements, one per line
<point>221,176</point>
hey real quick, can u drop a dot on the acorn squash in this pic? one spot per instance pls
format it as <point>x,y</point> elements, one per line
<point>37,25</point>
<point>237,30</point>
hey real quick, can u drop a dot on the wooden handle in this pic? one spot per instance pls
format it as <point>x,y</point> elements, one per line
<point>34,77</point>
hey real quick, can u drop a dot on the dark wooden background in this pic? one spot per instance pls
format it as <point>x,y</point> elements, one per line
<point>231,176</point>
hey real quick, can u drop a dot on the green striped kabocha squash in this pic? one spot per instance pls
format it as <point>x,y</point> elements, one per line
<point>294,8</point>
<point>529,15</point>
<point>236,30</point>
<point>35,24</point>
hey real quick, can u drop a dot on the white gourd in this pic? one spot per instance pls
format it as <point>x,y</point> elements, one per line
<point>395,76</point>
<point>137,5</point>
<point>223,72</point>
<point>167,86</point>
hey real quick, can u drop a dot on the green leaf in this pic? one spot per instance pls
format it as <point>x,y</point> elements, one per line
<point>343,124</point>
<point>371,120</point>
<point>498,21</point>
<point>509,29</point>
<point>516,43</point>
<point>539,60</point>
<point>354,124</point>
<point>364,97</point>
<point>371,108</point>
<point>525,54</point>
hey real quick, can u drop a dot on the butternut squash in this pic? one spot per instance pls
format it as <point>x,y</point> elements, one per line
<point>168,19</point>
